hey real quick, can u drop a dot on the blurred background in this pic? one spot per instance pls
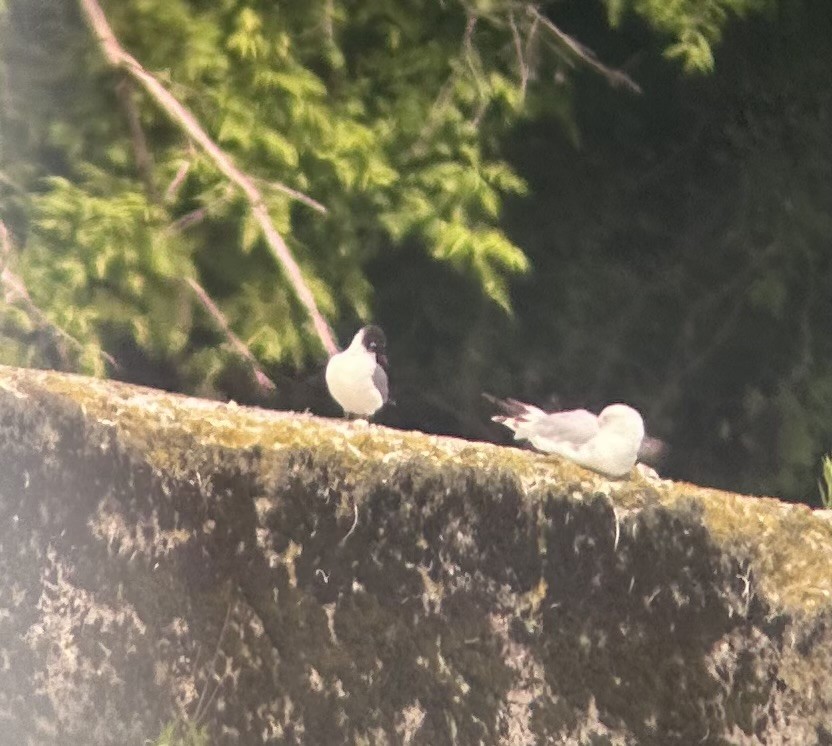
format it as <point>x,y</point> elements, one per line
<point>571,203</point>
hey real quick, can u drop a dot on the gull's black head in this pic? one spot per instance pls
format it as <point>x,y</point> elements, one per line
<point>373,339</point>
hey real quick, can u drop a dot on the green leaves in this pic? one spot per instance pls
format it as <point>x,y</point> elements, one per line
<point>448,204</point>
<point>695,25</point>
<point>179,733</point>
<point>485,252</point>
<point>97,258</point>
<point>694,50</point>
<point>389,113</point>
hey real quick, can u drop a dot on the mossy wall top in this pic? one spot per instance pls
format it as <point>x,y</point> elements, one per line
<point>280,578</point>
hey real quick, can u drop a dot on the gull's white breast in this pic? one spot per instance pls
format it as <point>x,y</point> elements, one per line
<point>349,377</point>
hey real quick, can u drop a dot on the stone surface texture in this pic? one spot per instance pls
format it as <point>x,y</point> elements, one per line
<point>281,578</point>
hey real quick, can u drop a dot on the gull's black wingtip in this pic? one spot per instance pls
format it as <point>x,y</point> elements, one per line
<point>511,407</point>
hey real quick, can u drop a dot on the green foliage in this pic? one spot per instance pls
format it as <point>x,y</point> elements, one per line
<point>390,114</point>
<point>97,259</point>
<point>382,132</point>
<point>825,486</point>
<point>182,734</point>
<point>695,25</point>
<point>676,239</point>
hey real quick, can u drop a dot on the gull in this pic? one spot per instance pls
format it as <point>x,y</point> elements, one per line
<point>608,443</point>
<point>356,377</point>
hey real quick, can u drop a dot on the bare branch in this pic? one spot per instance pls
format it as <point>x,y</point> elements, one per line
<point>472,57</point>
<point>194,217</point>
<point>299,196</point>
<point>430,120</point>
<point>15,292</point>
<point>219,318</point>
<point>445,93</point>
<point>531,38</point>
<point>177,181</point>
<point>521,58</point>
<point>329,25</point>
<point>189,219</point>
<point>120,59</point>
<point>141,152</point>
<point>615,77</point>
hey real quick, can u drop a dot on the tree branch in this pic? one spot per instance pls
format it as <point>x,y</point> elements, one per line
<point>141,152</point>
<point>615,77</point>
<point>189,219</point>
<point>197,215</point>
<point>120,59</point>
<point>14,291</point>
<point>521,59</point>
<point>219,318</point>
<point>329,24</point>
<point>299,196</point>
<point>472,58</point>
<point>176,182</point>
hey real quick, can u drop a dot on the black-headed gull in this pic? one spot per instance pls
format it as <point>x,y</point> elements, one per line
<point>356,377</point>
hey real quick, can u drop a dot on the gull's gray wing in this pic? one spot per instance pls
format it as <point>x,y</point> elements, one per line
<point>380,382</point>
<point>546,431</point>
<point>574,427</point>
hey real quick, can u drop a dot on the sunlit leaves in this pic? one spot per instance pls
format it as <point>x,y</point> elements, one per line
<point>487,252</point>
<point>695,25</point>
<point>96,259</point>
<point>389,113</point>
<point>694,50</point>
<point>247,41</point>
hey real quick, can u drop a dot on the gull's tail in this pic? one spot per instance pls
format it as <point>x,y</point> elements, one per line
<point>514,411</point>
